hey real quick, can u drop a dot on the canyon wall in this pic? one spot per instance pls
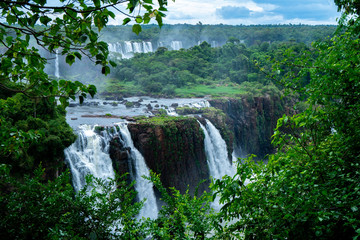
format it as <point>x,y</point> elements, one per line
<point>173,147</point>
<point>252,121</point>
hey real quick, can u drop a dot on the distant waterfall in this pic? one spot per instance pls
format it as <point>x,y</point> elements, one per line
<point>176,45</point>
<point>142,186</point>
<point>57,70</point>
<point>216,152</point>
<point>171,111</point>
<point>89,155</point>
<point>147,47</point>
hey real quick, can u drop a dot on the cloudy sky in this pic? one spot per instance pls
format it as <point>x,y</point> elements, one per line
<point>247,12</point>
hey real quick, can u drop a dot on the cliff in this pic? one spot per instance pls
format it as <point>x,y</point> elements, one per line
<point>252,121</point>
<point>173,147</point>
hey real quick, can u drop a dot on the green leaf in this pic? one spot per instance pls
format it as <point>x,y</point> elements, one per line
<point>78,55</point>
<point>105,70</point>
<point>45,20</point>
<point>126,21</point>
<point>70,59</point>
<point>138,19</point>
<point>97,3</point>
<point>136,28</point>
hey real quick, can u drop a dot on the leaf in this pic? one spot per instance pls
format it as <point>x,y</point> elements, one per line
<point>78,55</point>
<point>105,70</point>
<point>138,19</point>
<point>126,21</point>
<point>70,59</point>
<point>136,28</point>
<point>159,20</point>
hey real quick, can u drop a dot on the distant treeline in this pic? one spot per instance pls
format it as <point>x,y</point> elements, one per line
<point>221,33</point>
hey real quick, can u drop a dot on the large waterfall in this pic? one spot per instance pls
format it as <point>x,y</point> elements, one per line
<point>90,155</point>
<point>143,187</point>
<point>216,152</point>
<point>128,48</point>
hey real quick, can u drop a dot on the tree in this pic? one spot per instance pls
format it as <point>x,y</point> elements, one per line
<point>310,187</point>
<point>70,28</point>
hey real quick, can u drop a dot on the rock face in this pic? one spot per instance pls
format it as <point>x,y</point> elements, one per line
<point>252,121</point>
<point>175,149</point>
<point>120,157</point>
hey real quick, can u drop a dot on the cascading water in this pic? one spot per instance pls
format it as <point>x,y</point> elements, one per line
<point>142,186</point>
<point>217,155</point>
<point>89,155</point>
<point>137,47</point>
<point>216,152</point>
<point>147,47</point>
<point>128,47</point>
<point>57,70</point>
<point>176,45</point>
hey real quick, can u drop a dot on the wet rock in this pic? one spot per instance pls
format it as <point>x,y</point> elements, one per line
<point>174,149</point>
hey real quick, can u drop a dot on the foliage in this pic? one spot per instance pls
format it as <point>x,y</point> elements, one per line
<point>182,216</point>
<point>32,131</point>
<point>201,70</point>
<point>67,28</point>
<point>34,209</point>
<point>309,189</point>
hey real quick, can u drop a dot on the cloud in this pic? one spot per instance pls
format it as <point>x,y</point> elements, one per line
<point>231,12</point>
<point>316,10</point>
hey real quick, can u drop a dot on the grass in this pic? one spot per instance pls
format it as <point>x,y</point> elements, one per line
<point>161,120</point>
<point>213,90</point>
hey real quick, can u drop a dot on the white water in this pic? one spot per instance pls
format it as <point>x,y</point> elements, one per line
<point>176,45</point>
<point>217,156</point>
<point>216,152</point>
<point>143,187</point>
<point>57,70</point>
<point>171,111</point>
<point>89,155</point>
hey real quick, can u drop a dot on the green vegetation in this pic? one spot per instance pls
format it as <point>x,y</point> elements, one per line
<point>310,187</point>
<point>230,70</point>
<point>308,190</point>
<point>160,120</point>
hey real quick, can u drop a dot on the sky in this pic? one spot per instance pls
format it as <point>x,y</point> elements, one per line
<point>247,12</point>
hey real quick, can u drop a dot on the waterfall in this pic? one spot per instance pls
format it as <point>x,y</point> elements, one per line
<point>147,47</point>
<point>176,45</point>
<point>217,156</point>
<point>89,155</point>
<point>57,71</point>
<point>128,47</point>
<point>137,47</point>
<point>216,152</point>
<point>142,186</point>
